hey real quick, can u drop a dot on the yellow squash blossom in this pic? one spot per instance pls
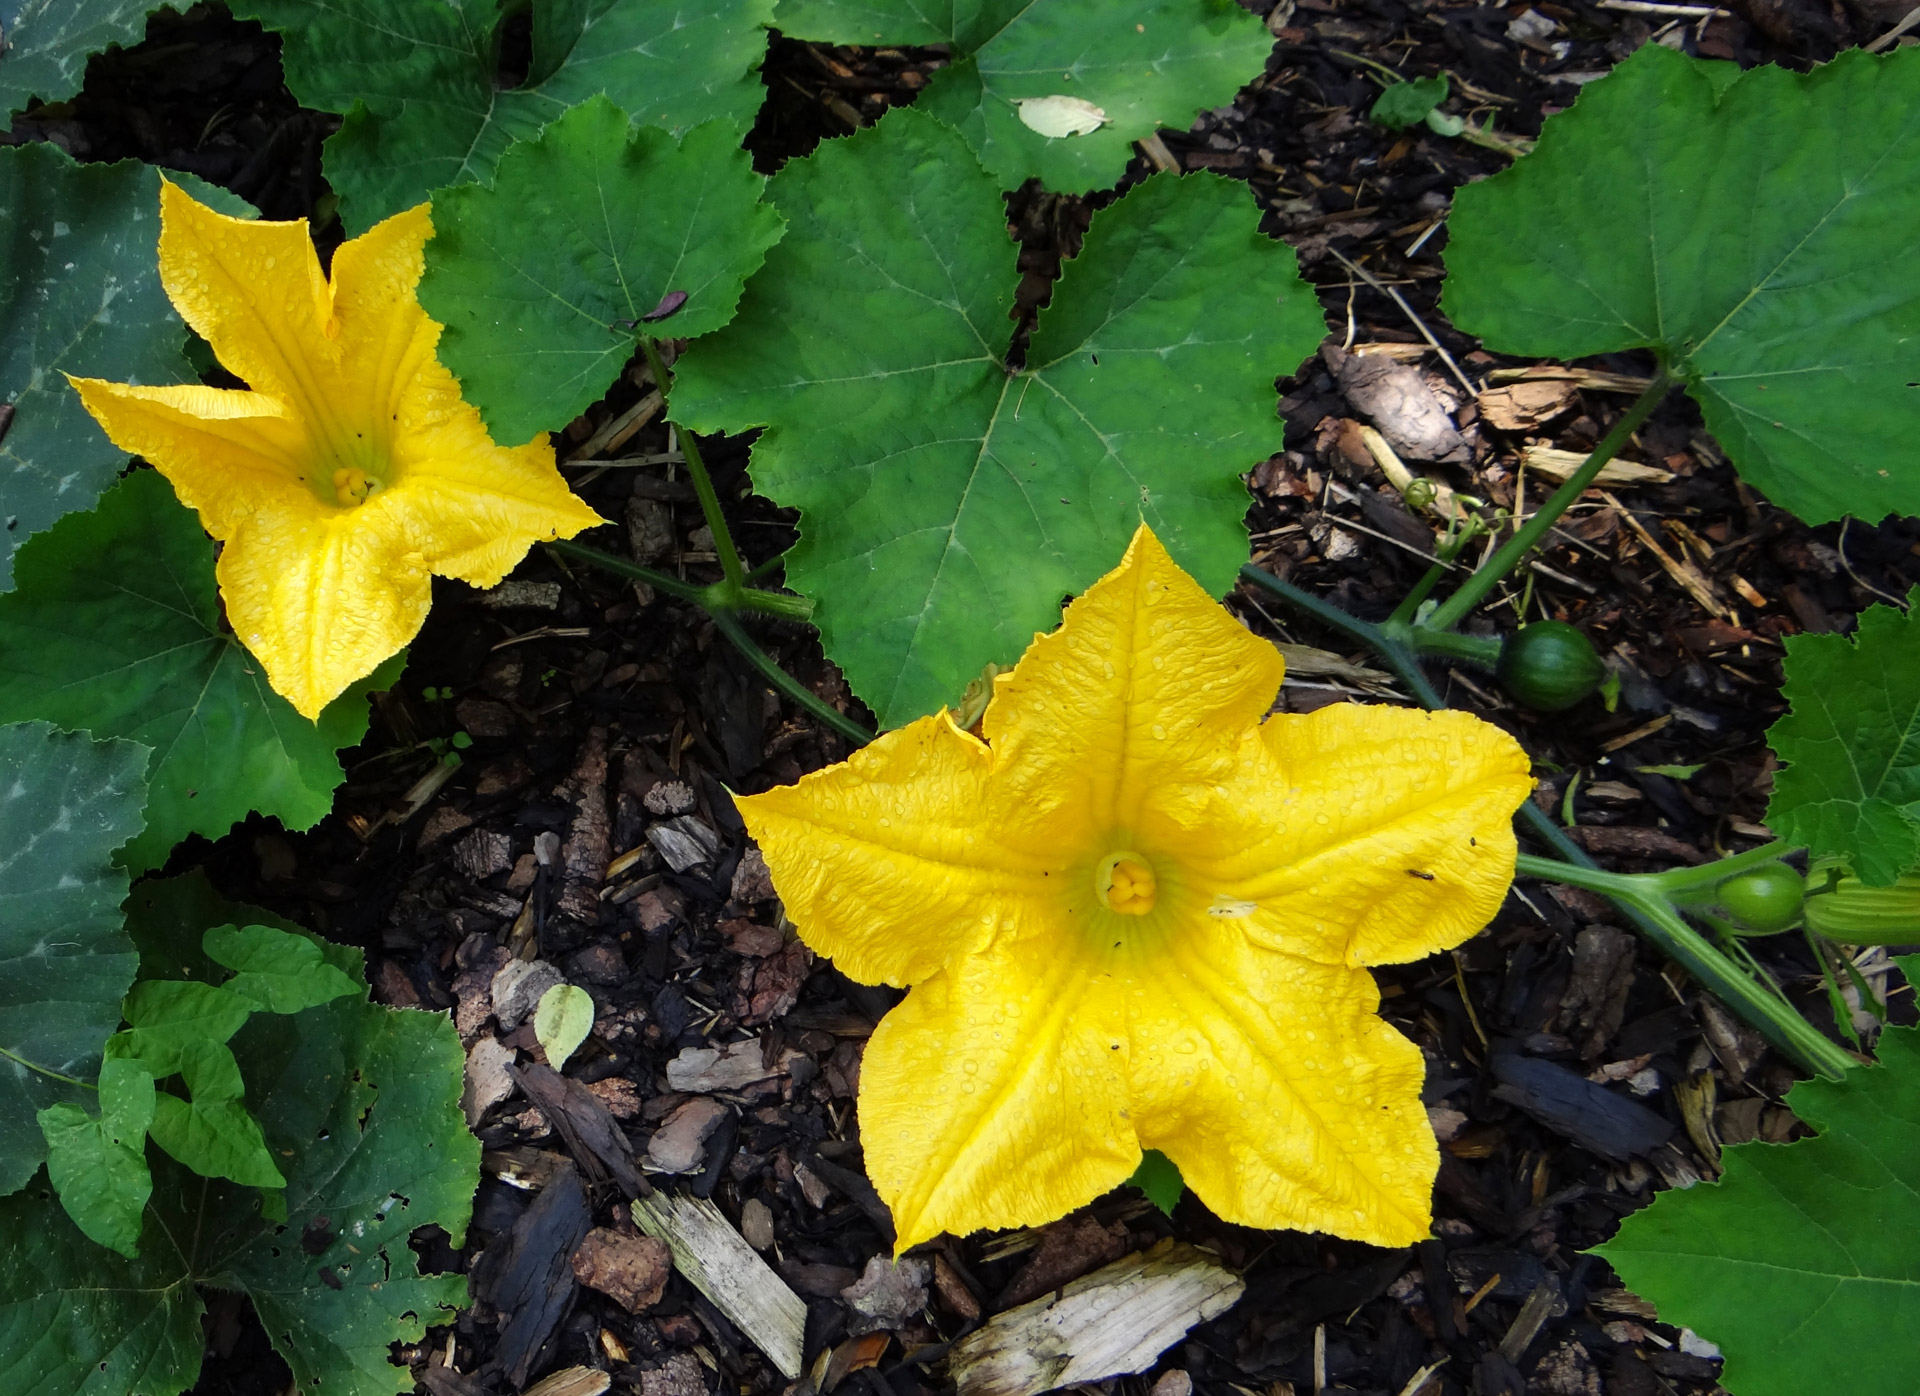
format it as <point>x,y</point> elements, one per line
<point>1136,916</point>
<point>353,471</point>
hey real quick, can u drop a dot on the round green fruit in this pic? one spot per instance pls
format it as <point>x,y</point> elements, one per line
<point>1549,665</point>
<point>1765,899</point>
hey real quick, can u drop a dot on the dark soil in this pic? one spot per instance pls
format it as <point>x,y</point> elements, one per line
<point>598,712</point>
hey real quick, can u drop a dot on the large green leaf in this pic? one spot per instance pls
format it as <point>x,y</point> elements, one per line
<point>361,1106</point>
<point>948,502</point>
<point>542,280</point>
<point>1800,1261</point>
<point>1754,229</point>
<point>415,79</point>
<point>116,628</point>
<point>48,43</point>
<point>79,278</point>
<point>1146,64</point>
<point>1851,745</point>
<point>66,803</point>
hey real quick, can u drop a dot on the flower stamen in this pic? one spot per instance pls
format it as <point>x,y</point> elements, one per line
<point>1125,883</point>
<point>352,485</point>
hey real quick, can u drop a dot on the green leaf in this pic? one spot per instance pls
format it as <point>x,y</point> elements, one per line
<point>360,1105</point>
<point>1800,1261</point>
<point>215,1135</point>
<point>1159,1178</point>
<point>1751,236</point>
<point>79,277</point>
<point>1145,65</point>
<point>66,802</point>
<point>415,79</point>
<point>167,917</point>
<point>167,1017</point>
<point>279,972</point>
<point>561,1022</point>
<point>947,502</point>
<point>99,1167</point>
<point>1850,743</point>
<point>116,627</point>
<point>1407,103</point>
<point>542,280</point>
<point>48,43</point>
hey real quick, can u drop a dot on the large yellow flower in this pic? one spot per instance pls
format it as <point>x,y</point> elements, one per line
<point>1136,916</point>
<point>353,471</point>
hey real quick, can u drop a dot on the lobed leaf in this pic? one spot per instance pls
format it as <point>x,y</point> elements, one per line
<point>79,277</point>
<point>1751,229</point>
<point>99,1166</point>
<point>1850,744</point>
<point>1799,1262</point>
<point>277,971</point>
<point>948,499</point>
<point>116,627</point>
<point>66,803</point>
<point>542,280</point>
<point>415,80</point>
<point>48,43</point>
<point>1145,65</point>
<point>360,1104</point>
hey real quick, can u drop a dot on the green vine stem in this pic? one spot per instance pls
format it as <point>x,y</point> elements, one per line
<point>730,565</point>
<point>1647,903</point>
<point>1454,609</point>
<point>725,612</point>
<point>44,1071</point>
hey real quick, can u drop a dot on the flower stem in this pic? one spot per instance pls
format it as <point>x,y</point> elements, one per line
<point>724,604</point>
<point>730,566</point>
<point>1646,904</point>
<point>1454,609</point>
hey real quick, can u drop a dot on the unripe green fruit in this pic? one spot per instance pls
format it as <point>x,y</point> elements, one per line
<point>1549,665</point>
<point>1765,899</point>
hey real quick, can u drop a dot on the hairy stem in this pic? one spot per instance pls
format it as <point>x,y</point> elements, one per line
<point>730,566</point>
<point>1483,579</point>
<point>727,625</point>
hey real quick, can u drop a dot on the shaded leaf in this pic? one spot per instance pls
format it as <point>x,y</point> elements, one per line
<point>360,1104</point>
<point>66,803</point>
<point>1145,65</point>
<point>542,279</point>
<point>1747,226</point>
<point>168,1018</point>
<point>948,502</point>
<point>1850,744</point>
<point>116,628</point>
<point>79,277</point>
<point>415,80</point>
<point>279,972</point>
<point>1407,103</point>
<point>48,43</point>
<point>168,917</point>
<point>1799,1262</point>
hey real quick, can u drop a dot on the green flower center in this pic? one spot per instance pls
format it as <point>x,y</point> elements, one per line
<point>1125,883</point>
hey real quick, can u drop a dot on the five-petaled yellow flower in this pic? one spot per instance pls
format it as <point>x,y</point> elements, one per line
<point>1136,916</point>
<point>353,471</point>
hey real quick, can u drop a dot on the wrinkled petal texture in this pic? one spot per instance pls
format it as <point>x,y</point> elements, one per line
<point>1048,1038</point>
<point>342,374</point>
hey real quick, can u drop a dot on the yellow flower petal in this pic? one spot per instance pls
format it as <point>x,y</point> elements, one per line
<point>997,1090</point>
<point>1148,684</point>
<point>1283,1099</point>
<point>321,601</point>
<point>225,451</point>
<point>255,292</point>
<point>1136,915</point>
<point>354,470</point>
<point>1377,835</point>
<point>887,862</point>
